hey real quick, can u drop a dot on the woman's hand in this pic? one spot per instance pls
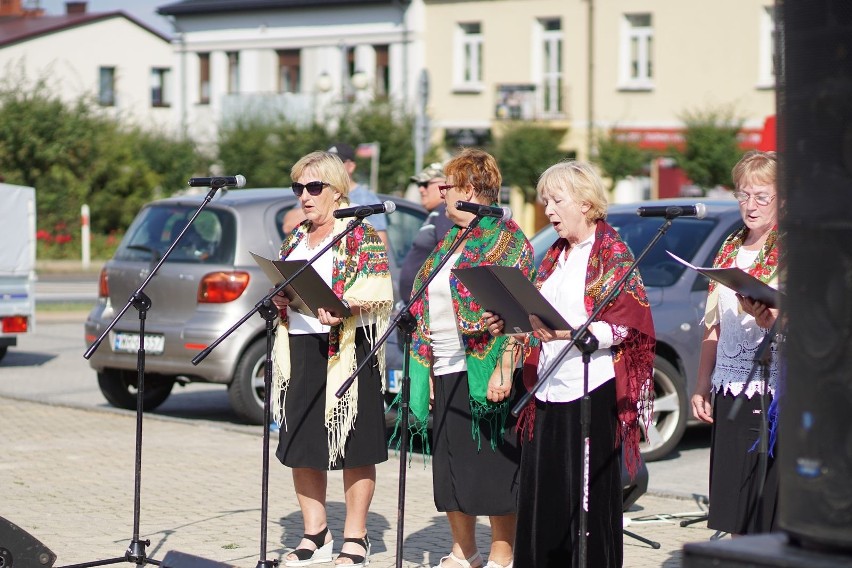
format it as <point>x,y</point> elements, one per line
<point>494,323</point>
<point>326,317</point>
<point>545,333</point>
<point>701,408</point>
<point>763,314</point>
<point>280,300</point>
<point>500,385</point>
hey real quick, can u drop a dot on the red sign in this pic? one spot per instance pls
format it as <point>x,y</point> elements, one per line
<point>665,138</point>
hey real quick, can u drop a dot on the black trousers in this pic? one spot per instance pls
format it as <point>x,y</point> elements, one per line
<point>550,494</point>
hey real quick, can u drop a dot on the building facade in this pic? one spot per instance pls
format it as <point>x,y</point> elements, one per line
<point>587,67</point>
<point>120,64</point>
<point>293,58</point>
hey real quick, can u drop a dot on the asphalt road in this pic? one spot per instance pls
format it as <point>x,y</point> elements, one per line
<point>48,366</point>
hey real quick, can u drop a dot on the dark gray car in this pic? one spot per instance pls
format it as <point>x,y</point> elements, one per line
<point>208,283</point>
<point>677,296</point>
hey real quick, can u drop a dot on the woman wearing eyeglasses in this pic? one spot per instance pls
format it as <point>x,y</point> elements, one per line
<point>474,453</point>
<point>735,327</point>
<point>313,356</point>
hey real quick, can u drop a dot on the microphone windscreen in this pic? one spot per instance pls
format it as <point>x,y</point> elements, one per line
<point>390,206</point>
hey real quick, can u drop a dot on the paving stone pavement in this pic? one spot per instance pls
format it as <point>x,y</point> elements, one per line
<point>67,478</point>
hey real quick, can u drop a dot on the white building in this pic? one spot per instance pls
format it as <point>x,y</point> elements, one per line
<point>120,63</point>
<point>298,58</point>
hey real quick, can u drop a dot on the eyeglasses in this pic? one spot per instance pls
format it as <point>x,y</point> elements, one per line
<point>314,187</point>
<point>760,199</point>
<point>443,189</point>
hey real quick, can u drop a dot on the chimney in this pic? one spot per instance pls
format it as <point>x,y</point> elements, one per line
<point>75,8</point>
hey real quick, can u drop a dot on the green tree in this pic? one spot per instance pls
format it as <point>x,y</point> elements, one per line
<point>619,159</point>
<point>265,148</point>
<point>711,147</point>
<point>393,129</point>
<point>72,156</point>
<point>524,152</point>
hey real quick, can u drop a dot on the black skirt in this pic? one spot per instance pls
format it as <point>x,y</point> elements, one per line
<point>304,442</point>
<point>551,487</point>
<point>736,505</point>
<point>467,474</point>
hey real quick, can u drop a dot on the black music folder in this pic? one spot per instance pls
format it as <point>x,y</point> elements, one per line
<point>739,281</point>
<point>506,291</point>
<point>307,292</point>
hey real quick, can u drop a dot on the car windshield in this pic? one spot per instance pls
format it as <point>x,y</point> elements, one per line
<point>209,240</point>
<point>683,238</point>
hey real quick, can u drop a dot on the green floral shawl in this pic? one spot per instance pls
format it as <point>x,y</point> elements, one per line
<point>494,241</point>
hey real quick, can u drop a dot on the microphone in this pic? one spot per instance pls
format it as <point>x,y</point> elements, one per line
<point>480,210</point>
<point>365,210</point>
<point>221,181</point>
<point>698,210</point>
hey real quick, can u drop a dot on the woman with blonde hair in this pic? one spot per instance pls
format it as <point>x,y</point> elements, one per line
<point>313,356</point>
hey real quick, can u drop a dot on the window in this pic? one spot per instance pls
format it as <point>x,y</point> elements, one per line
<point>204,78</point>
<point>766,50</point>
<point>233,72</point>
<point>289,71</point>
<point>382,70</point>
<point>468,56</point>
<point>637,42</point>
<point>550,100</point>
<point>161,95</point>
<point>106,86</point>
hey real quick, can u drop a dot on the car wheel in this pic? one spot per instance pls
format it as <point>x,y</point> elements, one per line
<point>668,421</point>
<point>247,391</point>
<point>3,352</point>
<point>119,388</point>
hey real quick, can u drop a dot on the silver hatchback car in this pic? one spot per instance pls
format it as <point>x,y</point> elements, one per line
<point>206,285</point>
<point>677,296</point>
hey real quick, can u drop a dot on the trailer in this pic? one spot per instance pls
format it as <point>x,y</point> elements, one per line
<point>17,263</point>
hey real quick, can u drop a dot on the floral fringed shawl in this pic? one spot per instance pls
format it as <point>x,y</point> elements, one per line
<point>494,241</point>
<point>633,358</point>
<point>360,274</point>
<point>765,267</point>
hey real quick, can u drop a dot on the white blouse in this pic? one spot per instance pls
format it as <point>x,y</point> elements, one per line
<point>739,338</point>
<point>447,351</point>
<point>565,290</point>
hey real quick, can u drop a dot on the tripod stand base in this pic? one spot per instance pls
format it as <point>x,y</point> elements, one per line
<point>652,543</point>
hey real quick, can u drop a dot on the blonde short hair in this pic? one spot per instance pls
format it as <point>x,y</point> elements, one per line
<point>755,168</point>
<point>329,168</point>
<point>579,181</point>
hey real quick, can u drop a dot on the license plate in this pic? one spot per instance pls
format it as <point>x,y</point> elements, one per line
<point>394,381</point>
<point>129,343</point>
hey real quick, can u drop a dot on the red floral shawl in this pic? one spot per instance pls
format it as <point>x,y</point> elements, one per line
<point>633,358</point>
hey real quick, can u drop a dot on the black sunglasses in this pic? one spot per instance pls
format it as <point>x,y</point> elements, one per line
<point>314,187</point>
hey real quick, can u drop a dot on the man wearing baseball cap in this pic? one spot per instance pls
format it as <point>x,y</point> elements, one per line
<point>360,194</point>
<point>434,227</point>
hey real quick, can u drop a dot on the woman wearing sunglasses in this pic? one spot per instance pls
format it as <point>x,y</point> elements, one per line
<point>475,452</point>
<point>743,491</point>
<point>314,356</point>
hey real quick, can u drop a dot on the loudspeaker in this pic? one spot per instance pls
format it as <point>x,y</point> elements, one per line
<point>19,549</point>
<point>175,559</point>
<point>815,438</point>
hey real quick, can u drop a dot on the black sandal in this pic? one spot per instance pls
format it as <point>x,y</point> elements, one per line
<point>357,560</point>
<point>306,556</point>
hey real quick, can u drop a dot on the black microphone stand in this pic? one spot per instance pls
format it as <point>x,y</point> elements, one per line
<point>406,322</point>
<point>268,312</point>
<point>135,552</point>
<point>588,344</point>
